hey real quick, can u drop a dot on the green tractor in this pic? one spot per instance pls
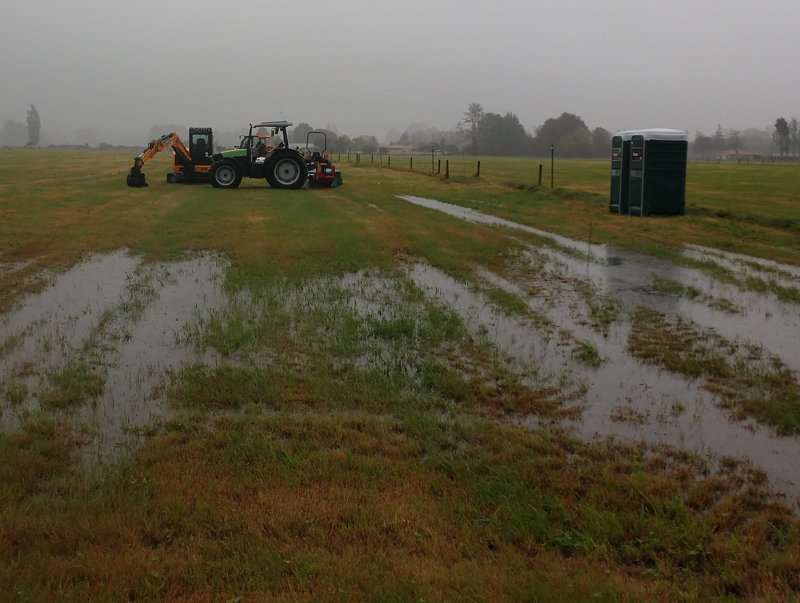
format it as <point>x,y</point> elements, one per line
<point>263,153</point>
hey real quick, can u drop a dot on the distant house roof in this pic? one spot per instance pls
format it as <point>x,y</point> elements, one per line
<point>734,154</point>
<point>400,148</point>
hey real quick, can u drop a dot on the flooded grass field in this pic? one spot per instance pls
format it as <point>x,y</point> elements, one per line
<point>402,389</point>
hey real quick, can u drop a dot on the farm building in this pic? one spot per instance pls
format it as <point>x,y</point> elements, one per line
<point>400,149</point>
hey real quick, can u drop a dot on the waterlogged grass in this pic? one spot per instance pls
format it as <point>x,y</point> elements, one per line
<point>351,440</point>
<point>71,386</point>
<point>364,341</point>
<point>673,287</point>
<point>747,380</point>
<point>587,353</point>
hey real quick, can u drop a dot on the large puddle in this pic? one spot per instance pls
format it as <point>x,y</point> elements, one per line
<point>629,277</point>
<point>132,323</point>
<point>113,317</point>
<point>624,396</point>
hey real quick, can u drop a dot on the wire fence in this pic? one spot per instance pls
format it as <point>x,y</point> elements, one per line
<point>535,171</point>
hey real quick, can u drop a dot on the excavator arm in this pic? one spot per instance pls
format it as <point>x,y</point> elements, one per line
<point>171,140</point>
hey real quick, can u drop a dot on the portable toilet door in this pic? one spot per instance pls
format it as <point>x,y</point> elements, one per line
<point>657,178</point>
<point>620,172</point>
<point>616,174</point>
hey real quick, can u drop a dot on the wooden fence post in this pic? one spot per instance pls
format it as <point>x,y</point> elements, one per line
<point>447,170</point>
<point>478,173</point>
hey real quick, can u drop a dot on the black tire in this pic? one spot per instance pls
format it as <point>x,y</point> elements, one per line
<point>225,174</point>
<point>286,169</point>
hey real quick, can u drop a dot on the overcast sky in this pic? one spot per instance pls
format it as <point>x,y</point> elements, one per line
<point>371,65</point>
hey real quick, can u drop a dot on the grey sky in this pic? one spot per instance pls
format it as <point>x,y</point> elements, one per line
<point>368,66</point>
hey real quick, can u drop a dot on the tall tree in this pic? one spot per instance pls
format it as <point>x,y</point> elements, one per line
<point>300,132</point>
<point>783,136</point>
<point>34,126</point>
<point>567,132</point>
<point>601,140</point>
<point>471,121</point>
<point>735,139</point>
<point>719,141</point>
<point>703,145</point>
<point>503,135</point>
<point>366,144</point>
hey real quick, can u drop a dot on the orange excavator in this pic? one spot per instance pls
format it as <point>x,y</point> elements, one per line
<point>190,164</point>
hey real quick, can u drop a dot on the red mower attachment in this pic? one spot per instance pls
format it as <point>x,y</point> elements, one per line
<point>321,172</point>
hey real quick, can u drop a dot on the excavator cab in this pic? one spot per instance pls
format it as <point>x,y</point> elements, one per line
<point>201,145</point>
<point>193,164</point>
<point>190,164</point>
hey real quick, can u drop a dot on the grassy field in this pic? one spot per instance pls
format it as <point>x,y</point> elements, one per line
<point>352,439</point>
<point>750,208</point>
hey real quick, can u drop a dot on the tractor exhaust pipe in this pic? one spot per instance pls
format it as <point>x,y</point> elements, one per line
<point>136,177</point>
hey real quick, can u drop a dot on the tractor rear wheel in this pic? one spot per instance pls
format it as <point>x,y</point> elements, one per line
<point>286,170</point>
<point>225,174</point>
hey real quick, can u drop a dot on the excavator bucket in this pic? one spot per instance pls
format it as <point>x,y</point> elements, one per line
<point>137,180</point>
<point>136,177</point>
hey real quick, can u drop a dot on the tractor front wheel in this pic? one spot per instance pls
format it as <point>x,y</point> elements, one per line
<point>225,175</point>
<point>286,170</point>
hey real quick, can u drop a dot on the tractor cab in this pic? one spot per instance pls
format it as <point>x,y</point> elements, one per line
<point>264,138</point>
<point>258,145</point>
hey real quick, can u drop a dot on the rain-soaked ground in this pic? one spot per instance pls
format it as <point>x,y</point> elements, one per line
<point>119,315</point>
<point>624,396</point>
<point>133,323</point>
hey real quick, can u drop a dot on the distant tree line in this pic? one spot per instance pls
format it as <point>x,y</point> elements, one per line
<point>782,140</point>
<point>336,143</point>
<point>495,134</point>
<point>480,132</point>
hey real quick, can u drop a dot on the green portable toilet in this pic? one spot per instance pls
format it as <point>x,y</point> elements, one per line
<point>620,171</point>
<point>657,178</point>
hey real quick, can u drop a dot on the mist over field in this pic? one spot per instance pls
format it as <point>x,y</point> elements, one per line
<point>99,71</point>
